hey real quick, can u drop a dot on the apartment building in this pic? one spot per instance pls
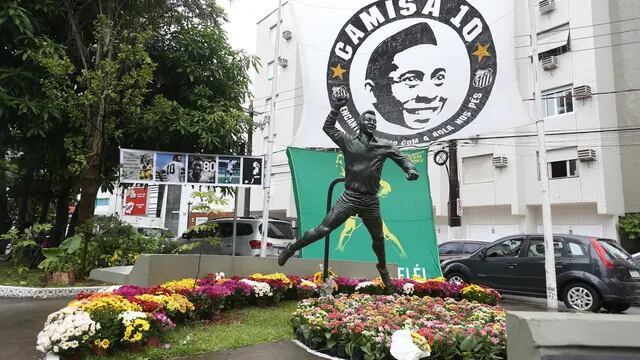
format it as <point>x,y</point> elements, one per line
<point>589,66</point>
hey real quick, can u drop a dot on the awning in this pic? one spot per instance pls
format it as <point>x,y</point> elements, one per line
<point>554,41</point>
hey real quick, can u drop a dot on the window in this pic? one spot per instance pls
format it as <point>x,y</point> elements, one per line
<point>477,169</point>
<point>102,202</point>
<point>507,248</point>
<point>575,249</point>
<point>450,248</point>
<point>270,70</point>
<point>563,169</point>
<point>225,229</point>
<point>613,250</point>
<point>556,102</point>
<point>470,248</point>
<point>279,230</point>
<point>536,247</point>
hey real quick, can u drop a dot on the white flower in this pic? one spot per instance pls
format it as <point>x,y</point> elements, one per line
<point>408,288</point>
<point>128,316</point>
<point>260,289</point>
<point>61,329</point>
<point>364,284</point>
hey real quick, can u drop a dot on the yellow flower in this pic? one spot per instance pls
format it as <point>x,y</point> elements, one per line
<point>184,284</point>
<point>112,302</point>
<point>105,344</point>
<point>275,276</point>
<point>317,277</point>
<point>420,342</point>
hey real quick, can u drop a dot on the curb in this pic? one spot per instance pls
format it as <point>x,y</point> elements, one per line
<point>316,353</point>
<point>49,293</point>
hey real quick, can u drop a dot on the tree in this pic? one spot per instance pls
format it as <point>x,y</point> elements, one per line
<point>79,78</point>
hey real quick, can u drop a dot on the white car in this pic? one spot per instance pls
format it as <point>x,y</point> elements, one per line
<point>248,237</point>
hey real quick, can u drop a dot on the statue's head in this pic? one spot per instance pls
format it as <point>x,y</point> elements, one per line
<point>367,123</point>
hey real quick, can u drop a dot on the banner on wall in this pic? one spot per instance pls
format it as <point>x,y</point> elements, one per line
<point>155,167</point>
<point>430,69</point>
<point>406,211</point>
<point>135,201</point>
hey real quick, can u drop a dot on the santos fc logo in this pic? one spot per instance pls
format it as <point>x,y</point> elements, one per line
<point>426,67</point>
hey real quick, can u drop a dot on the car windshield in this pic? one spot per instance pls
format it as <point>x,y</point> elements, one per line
<point>279,230</point>
<point>613,250</point>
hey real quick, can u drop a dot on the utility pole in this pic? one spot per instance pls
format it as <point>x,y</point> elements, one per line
<point>269,155</point>
<point>247,191</point>
<point>549,251</point>
<point>455,215</point>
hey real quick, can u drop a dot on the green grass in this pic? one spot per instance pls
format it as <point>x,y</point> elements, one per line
<point>13,276</point>
<point>237,328</point>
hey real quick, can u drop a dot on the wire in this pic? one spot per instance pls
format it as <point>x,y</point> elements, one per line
<point>554,133</point>
<point>581,27</point>
<point>595,48</point>
<point>594,93</point>
<point>541,41</point>
<point>279,93</point>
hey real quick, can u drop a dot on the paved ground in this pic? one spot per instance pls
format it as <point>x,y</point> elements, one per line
<point>22,319</point>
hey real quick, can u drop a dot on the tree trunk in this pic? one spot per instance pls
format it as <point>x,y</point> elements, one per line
<point>5,223</point>
<point>89,193</point>
<point>44,208</point>
<point>24,220</point>
<point>62,217</point>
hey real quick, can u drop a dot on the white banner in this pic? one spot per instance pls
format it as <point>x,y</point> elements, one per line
<point>430,69</point>
<point>156,167</point>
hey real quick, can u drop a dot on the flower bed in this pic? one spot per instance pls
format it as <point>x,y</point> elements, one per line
<point>132,317</point>
<point>360,326</point>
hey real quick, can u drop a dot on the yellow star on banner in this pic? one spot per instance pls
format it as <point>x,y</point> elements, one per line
<point>482,51</point>
<point>338,71</point>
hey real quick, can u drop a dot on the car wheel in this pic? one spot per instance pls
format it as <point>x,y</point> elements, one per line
<point>582,297</point>
<point>615,308</point>
<point>456,277</point>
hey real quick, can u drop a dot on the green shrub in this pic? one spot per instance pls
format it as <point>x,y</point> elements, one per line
<point>115,243</point>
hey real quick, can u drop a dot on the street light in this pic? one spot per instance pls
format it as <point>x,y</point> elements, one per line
<point>189,213</point>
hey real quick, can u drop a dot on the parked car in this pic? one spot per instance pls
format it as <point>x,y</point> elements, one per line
<point>459,248</point>
<point>636,258</point>
<point>150,231</point>
<point>591,272</point>
<point>248,237</point>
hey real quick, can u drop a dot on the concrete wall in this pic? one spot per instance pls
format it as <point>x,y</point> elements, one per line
<point>555,336</point>
<point>152,270</point>
<point>626,75</point>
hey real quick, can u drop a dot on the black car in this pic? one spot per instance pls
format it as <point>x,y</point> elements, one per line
<point>459,248</point>
<point>591,273</point>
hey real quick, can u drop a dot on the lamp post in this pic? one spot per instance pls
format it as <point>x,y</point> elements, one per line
<point>189,213</point>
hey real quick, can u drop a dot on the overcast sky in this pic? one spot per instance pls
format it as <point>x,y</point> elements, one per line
<point>243,16</point>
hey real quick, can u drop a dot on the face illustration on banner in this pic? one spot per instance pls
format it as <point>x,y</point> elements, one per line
<point>426,68</point>
<point>407,92</point>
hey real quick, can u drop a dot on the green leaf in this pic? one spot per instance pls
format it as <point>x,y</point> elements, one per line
<point>468,344</point>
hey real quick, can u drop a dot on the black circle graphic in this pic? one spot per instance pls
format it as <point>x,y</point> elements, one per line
<point>459,15</point>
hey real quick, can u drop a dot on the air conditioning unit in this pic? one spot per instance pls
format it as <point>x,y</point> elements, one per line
<point>286,35</point>
<point>549,62</point>
<point>582,92</point>
<point>547,6</point>
<point>283,62</point>
<point>500,161</point>
<point>586,155</point>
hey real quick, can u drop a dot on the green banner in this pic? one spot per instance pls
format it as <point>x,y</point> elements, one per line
<point>406,210</point>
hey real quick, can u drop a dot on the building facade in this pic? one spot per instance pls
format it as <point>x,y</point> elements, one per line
<point>588,62</point>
